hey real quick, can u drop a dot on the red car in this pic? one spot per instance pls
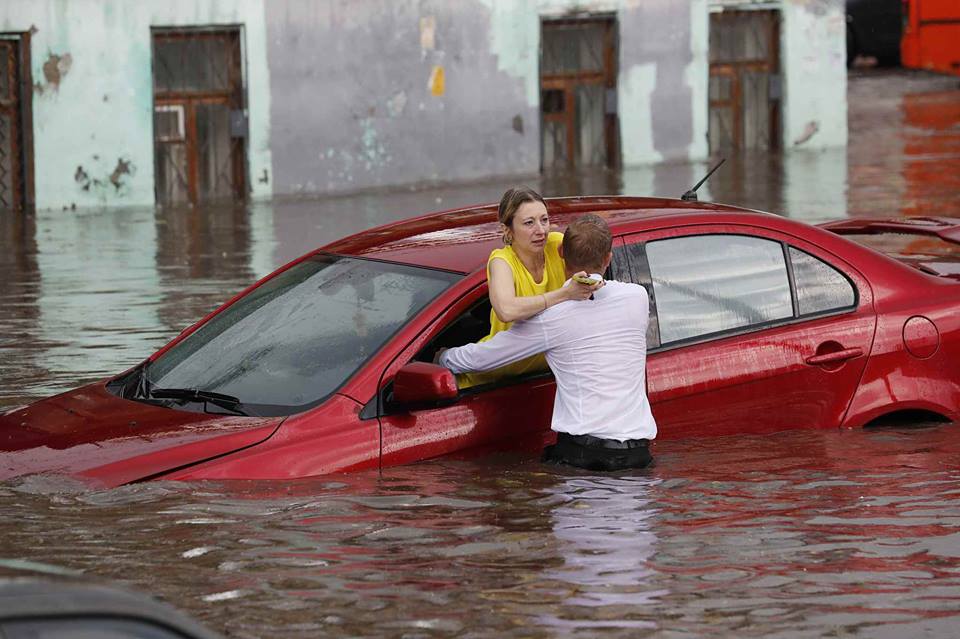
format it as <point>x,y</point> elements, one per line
<point>758,323</point>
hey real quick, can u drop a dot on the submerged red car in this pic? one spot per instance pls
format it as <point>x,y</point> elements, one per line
<point>759,323</point>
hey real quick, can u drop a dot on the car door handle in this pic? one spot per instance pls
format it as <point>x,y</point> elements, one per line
<point>835,357</point>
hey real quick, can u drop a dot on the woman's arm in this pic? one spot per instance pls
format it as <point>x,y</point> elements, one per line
<point>510,308</point>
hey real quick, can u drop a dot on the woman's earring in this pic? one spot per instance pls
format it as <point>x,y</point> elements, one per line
<point>507,239</point>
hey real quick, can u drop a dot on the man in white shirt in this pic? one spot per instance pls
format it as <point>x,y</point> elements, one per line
<point>597,350</point>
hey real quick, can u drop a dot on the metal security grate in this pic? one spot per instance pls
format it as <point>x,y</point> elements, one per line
<point>578,89</point>
<point>199,126</point>
<point>11,163</point>
<point>744,80</point>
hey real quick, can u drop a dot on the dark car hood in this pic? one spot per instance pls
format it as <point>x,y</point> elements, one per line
<point>95,435</point>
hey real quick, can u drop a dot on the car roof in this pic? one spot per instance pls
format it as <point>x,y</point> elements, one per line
<point>461,239</point>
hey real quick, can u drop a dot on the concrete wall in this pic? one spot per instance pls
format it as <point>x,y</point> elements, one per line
<point>362,106</point>
<point>814,54</point>
<point>93,92</point>
<point>389,92</point>
<point>663,81</point>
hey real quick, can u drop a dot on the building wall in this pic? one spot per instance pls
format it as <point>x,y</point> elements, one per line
<point>389,92</point>
<point>362,105</point>
<point>93,92</point>
<point>663,81</point>
<point>815,74</point>
<point>813,62</point>
<point>347,96</point>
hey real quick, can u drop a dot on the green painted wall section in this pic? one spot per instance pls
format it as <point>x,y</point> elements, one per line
<point>93,93</point>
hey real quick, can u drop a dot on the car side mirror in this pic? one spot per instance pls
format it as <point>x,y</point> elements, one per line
<point>423,383</point>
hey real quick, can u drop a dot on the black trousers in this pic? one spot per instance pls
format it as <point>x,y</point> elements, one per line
<point>595,453</point>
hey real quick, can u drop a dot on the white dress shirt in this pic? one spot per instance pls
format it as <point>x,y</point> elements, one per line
<point>597,350</point>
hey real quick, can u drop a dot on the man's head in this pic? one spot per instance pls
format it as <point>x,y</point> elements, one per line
<point>587,245</point>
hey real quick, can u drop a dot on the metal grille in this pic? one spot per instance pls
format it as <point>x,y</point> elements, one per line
<point>11,168</point>
<point>578,80</point>
<point>198,91</point>
<point>744,81</point>
<point>573,47</point>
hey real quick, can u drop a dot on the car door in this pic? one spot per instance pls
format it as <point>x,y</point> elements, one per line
<point>513,414</point>
<point>516,413</point>
<point>753,331</point>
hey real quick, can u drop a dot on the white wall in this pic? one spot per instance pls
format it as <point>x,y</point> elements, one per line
<point>814,54</point>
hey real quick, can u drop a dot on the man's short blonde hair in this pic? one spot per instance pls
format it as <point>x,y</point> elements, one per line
<point>586,243</point>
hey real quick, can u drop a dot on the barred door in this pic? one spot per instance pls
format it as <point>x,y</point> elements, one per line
<point>199,122</point>
<point>578,80</point>
<point>744,81</point>
<point>13,183</point>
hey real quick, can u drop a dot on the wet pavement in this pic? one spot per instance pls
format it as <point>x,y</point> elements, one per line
<point>790,535</point>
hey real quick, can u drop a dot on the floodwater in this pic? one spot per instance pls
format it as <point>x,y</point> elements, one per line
<point>799,534</point>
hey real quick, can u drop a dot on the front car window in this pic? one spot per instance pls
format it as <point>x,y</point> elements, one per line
<point>707,284</point>
<point>295,339</point>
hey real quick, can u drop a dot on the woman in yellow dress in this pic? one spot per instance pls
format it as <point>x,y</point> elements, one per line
<point>525,277</point>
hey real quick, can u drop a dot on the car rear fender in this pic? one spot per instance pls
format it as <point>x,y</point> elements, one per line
<point>896,379</point>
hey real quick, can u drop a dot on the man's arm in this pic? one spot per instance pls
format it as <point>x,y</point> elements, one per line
<point>525,338</point>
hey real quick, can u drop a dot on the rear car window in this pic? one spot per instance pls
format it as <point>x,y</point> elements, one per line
<point>708,284</point>
<point>820,287</point>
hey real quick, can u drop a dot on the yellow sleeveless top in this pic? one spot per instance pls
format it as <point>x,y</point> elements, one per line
<point>524,285</point>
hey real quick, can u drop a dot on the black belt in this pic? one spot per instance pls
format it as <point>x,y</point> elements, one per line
<point>599,442</point>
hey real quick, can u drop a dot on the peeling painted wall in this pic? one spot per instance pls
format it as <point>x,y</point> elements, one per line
<point>390,92</point>
<point>393,92</point>
<point>93,92</point>
<point>663,76</point>
<point>815,74</point>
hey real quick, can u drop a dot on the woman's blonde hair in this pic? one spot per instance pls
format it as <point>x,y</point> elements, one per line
<point>511,201</point>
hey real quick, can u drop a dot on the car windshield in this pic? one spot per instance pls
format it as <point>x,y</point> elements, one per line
<point>296,338</point>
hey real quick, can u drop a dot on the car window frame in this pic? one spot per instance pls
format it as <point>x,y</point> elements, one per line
<point>636,253</point>
<point>473,293</point>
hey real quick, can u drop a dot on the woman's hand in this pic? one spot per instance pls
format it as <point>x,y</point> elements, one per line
<point>577,291</point>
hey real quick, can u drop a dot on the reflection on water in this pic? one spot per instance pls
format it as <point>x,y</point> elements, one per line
<point>793,535</point>
<point>796,534</point>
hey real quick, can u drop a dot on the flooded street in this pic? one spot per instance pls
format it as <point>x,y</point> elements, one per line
<point>797,534</point>
<point>791,535</point>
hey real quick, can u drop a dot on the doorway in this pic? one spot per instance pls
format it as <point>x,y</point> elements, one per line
<point>578,93</point>
<point>16,140</point>
<point>199,119</point>
<point>745,86</point>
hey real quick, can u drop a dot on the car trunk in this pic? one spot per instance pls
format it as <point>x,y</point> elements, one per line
<point>92,434</point>
<point>928,244</point>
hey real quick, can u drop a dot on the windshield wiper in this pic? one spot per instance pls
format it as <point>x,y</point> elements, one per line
<point>227,402</point>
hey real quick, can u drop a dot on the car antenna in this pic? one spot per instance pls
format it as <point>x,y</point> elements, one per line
<point>691,195</point>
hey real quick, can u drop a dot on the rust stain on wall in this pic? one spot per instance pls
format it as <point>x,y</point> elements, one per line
<point>124,167</point>
<point>54,70</point>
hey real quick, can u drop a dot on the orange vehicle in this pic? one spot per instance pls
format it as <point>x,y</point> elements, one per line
<point>931,35</point>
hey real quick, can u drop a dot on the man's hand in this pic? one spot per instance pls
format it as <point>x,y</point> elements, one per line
<point>436,356</point>
<point>577,291</point>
